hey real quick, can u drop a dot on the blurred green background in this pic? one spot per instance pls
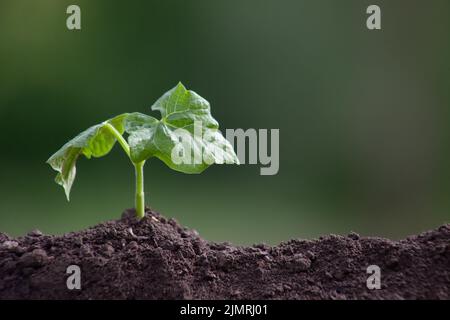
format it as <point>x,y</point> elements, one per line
<point>363,115</point>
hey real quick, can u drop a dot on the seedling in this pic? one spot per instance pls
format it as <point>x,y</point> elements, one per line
<point>181,110</point>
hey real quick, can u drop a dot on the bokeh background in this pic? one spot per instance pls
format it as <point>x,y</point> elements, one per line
<point>363,115</point>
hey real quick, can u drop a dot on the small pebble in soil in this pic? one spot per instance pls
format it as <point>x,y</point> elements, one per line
<point>278,288</point>
<point>262,246</point>
<point>353,235</point>
<point>236,294</point>
<point>162,219</point>
<point>85,250</point>
<point>210,276</point>
<point>98,261</point>
<point>34,259</point>
<point>310,255</point>
<point>35,233</point>
<point>9,245</point>
<point>195,233</point>
<point>301,263</point>
<point>184,234</point>
<point>78,241</point>
<point>223,262</point>
<point>107,250</point>
<point>132,245</point>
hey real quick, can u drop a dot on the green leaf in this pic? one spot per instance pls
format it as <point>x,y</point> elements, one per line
<point>187,128</point>
<point>97,141</point>
<point>186,138</point>
<point>181,107</point>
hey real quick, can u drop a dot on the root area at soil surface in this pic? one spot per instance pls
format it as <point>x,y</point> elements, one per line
<point>156,258</point>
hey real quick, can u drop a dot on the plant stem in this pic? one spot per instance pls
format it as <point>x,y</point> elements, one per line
<point>140,201</point>
<point>139,169</point>
<point>123,143</point>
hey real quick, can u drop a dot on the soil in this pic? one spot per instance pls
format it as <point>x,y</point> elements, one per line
<point>156,258</point>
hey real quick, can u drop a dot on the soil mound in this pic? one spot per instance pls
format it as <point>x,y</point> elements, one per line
<point>156,258</point>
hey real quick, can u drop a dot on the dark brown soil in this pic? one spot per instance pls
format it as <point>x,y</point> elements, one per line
<point>156,258</point>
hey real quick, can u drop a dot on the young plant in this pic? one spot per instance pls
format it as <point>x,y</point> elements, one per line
<point>182,111</point>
